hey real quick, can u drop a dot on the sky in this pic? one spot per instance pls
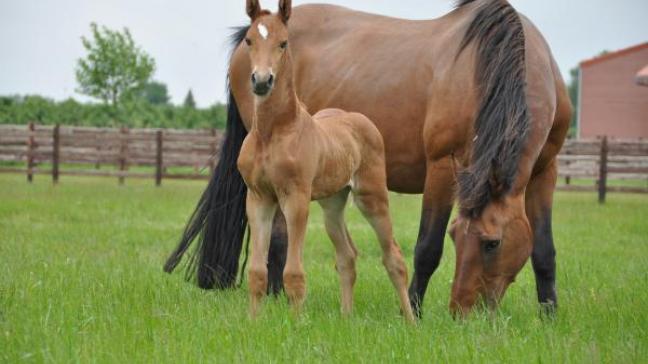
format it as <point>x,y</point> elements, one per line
<point>40,39</point>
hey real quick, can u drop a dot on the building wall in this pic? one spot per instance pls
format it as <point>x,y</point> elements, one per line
<point>611,102</point>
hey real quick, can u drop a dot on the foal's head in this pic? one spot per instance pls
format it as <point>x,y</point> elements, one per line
<point>267,40</point>
<point>491,250</point>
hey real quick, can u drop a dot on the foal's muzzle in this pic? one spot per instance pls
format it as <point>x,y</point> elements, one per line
<point>262,84</point>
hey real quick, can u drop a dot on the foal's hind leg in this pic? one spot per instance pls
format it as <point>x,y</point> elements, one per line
<point>370,194</point>
<point>344,251</point>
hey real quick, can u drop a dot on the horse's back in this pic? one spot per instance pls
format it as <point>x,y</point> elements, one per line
<point>355,125</point>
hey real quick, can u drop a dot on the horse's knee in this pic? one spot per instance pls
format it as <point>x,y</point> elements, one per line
<point>427,259</point>
<point>544,262</point>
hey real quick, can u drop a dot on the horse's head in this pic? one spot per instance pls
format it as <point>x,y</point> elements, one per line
<point>267,40</point>
<point>491,249</point>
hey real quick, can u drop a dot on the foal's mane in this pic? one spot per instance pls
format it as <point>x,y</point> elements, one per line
<point>502,121</point>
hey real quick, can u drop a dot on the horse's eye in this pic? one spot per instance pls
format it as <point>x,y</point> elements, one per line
<point>248,41</point>
<point>491,245</point>
<point>283,44</point>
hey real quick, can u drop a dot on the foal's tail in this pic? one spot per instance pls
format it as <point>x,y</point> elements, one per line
<point>219,219</point>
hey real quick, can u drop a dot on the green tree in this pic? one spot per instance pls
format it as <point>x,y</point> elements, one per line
<point>189,101</point>
<point>573,89</point>
<point>156,93</point>
<point>114,66</point>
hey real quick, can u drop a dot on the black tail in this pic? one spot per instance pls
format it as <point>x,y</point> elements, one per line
<point>503,120</point>
<point>219,219</point>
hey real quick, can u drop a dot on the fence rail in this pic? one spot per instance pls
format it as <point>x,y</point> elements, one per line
<point>600,159</point>
<point>122,148</point>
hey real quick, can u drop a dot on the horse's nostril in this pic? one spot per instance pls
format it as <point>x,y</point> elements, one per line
<point>270,80</point>
<point>253,78</point>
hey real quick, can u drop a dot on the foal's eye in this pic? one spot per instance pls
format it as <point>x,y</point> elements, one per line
<point>283,44</point>
<point>491,245</point>
<point>248,41</point>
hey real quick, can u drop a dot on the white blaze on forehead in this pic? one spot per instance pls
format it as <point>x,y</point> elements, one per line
<point>263,31</point>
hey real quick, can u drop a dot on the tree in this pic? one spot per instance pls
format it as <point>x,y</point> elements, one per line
<point>573,89</point>
<point>114,66</point>
<point>189,101</point>
<point>156,93</point>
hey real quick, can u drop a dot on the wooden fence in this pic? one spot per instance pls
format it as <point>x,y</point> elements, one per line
<point>123,148</point>
<point>597,160</point>
<point>603,160</point>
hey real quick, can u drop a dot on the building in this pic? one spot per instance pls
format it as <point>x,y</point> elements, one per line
<point>613,100</point>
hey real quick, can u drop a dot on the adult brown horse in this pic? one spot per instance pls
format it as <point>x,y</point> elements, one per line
<point>471,104</point>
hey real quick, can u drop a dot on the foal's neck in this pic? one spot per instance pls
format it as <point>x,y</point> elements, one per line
<point>281,107</point>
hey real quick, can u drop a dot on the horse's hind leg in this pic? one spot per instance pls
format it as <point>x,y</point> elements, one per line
<point>371,197</point>
<point>539,200</point>
<point>277,255</point>
<point>344,251</point>
<point>260,214</point>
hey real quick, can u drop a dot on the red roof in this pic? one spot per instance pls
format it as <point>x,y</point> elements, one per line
<point>611,55</point>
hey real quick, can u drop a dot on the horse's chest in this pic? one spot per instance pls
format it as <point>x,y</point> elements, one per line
<point>257,167</point>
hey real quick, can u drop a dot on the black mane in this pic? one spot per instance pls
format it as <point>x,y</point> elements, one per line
<point>503,120</point>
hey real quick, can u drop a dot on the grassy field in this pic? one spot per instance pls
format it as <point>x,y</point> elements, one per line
<point>81,281</point>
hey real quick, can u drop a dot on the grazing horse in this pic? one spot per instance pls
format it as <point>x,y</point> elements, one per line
<point>470,105</point>
<point>290,158</point>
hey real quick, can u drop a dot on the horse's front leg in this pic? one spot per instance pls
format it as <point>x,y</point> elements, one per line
<point>539,200</point>
<point>260,213</point>
<point>437,206</point>
<point>295,209</point>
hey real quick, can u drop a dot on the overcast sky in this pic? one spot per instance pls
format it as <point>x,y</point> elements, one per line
<point>40,39</point>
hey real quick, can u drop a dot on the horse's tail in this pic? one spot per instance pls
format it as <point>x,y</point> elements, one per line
<point>503,120</point>
<point>219,220</point>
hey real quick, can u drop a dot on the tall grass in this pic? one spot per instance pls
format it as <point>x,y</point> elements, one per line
<point>81,281</point>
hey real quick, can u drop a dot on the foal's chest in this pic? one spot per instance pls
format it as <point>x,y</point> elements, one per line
<point>255,164</point>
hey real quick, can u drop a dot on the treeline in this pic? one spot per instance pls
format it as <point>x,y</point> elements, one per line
<point>139,113</point>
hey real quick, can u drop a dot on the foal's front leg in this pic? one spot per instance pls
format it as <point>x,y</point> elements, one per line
<point>260,213</point>
<point>295,208</point>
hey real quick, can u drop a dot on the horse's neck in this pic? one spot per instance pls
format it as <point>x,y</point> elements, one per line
<point>281,108</point>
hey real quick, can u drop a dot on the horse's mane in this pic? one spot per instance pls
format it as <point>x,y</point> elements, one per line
<point>503,120</point>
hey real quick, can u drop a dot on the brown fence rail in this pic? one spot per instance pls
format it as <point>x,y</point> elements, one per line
<point>123,148</point>
<point>603,160</point>
<point>597,160</point>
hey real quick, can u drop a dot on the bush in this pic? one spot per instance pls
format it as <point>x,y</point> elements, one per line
<point>136,112</point>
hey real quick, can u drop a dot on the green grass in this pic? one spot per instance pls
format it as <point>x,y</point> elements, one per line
<point>81,281</point>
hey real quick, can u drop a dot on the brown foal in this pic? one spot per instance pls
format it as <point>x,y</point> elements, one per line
<point>290,158</point>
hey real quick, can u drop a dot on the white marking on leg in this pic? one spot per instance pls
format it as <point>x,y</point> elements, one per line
<point>263,31</point>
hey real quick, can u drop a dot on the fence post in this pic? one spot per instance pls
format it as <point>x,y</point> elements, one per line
<point>602,183</point>
<point>30,152</point>
<point>158,158</point>
<point>568,177</point>
<point>56,151</point>
<point>123,152</point>
<point>212,151</point>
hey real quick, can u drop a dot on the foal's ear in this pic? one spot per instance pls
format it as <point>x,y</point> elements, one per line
<point>253,9</point>
<point>285,9</point>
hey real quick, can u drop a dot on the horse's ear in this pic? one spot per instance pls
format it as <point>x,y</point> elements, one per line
<point>285,9</point>
<point>253,9</point>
